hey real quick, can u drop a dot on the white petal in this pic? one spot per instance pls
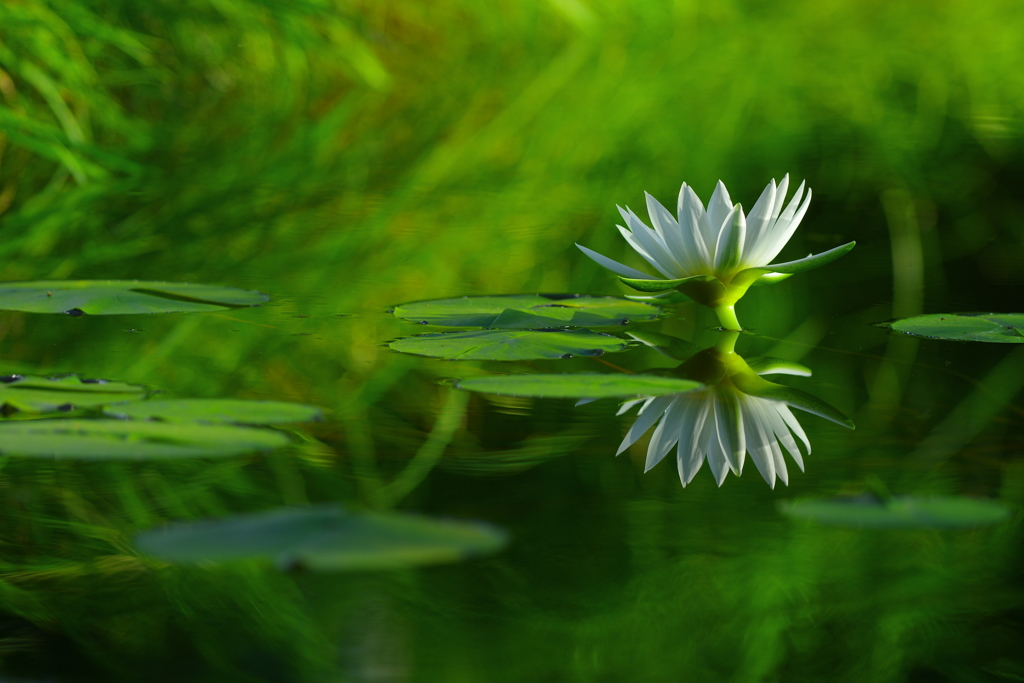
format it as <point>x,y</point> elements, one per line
<point>780,463</point>
<point>690,454</point>
<point>777,234</point>
<point>667,226</point>
<point>793,424</point>
<point>629,404</point>
<point>729,422</point>
<point>661,219</point>
<point>717,460</point>
<point>760,218</point>
<point>729,249</point>
<point>697,259</point>
<point>649,244</point>
<point>652,411</point>
<point>782,231</point>
<point>615,266</point>
<point>794,203</point>
<point>718,208</point>
<point>780,196</point>
<point>640,242</point>
<point>781,430</point>
<point>667,433</point>
<point>758,440</point>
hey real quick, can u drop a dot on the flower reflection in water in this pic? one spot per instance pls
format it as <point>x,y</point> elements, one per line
<point>737,413</point>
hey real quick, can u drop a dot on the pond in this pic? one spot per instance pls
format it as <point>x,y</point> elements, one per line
<point>331,387</point>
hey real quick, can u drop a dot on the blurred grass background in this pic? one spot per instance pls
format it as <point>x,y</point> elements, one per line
<point>347,156</point>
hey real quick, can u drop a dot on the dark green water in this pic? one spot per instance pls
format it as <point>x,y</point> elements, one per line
<point>345,159</point>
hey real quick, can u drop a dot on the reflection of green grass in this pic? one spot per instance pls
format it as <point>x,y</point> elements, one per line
<point>348,158</point>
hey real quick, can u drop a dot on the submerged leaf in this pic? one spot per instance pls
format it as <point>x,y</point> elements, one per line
<point>126,440</point>
<point>666,344</point>
<point>509,344</point>
<point>323,538</point>
<point>219,410</point>
<point>119,297</point>
<point>583,385</point>
<point>1002,328</point>
<point>528,311</point>
<point>30,394</point>
<point>902,512</point>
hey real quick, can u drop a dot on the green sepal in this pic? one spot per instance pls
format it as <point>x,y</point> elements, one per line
<point>751,275</point>
<point>754,385</point>
<point>663,285</point>
<point>667,298</point>
<point>771,278</point>
<point>666,344</point>
<point>767,366</point>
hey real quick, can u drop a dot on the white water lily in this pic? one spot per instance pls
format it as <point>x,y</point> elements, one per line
<point>719,424</point>
<point>714,255</point>
<point>736,412</point>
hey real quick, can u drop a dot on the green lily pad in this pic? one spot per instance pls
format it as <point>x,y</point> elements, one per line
<point>582,385</point>
<point>1002,328</point>
<point>120,297</point>
<point>510,344</point>
<point>528,311</point>
<point>903,512</point>
<point>30,394</point>
<point>323,538</point>
<point>126,440</point>
<point>218,410</point>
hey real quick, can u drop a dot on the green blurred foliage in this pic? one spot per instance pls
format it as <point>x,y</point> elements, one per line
<point>348,156</point>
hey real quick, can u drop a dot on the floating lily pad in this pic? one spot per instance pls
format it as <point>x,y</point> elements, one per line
<point>125,440</point>
<point>510,344</point>
<point>119,297</point>
<point>30,394</point>
<point>904,512</point>
<point>219,410</point>
<point>1003,328</point>
<point>528,311</point>
<point>323,538</point>
<point>582,385</point>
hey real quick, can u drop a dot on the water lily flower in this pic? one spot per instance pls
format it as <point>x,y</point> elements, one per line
<point>736,413</point>
<point>713,256</point>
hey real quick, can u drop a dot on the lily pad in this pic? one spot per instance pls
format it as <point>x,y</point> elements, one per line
<point>323,538</point>
<point>902,512</point>
<point>125,440</point>
<point>30,394</point>
<point>510,344</point>
<point>582,385</point>
<point>1002,328</point>
<point>219,410</point>
<point>120,297</point>
<point>528,311</point>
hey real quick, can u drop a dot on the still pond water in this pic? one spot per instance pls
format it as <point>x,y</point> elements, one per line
<point>493,535</point>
